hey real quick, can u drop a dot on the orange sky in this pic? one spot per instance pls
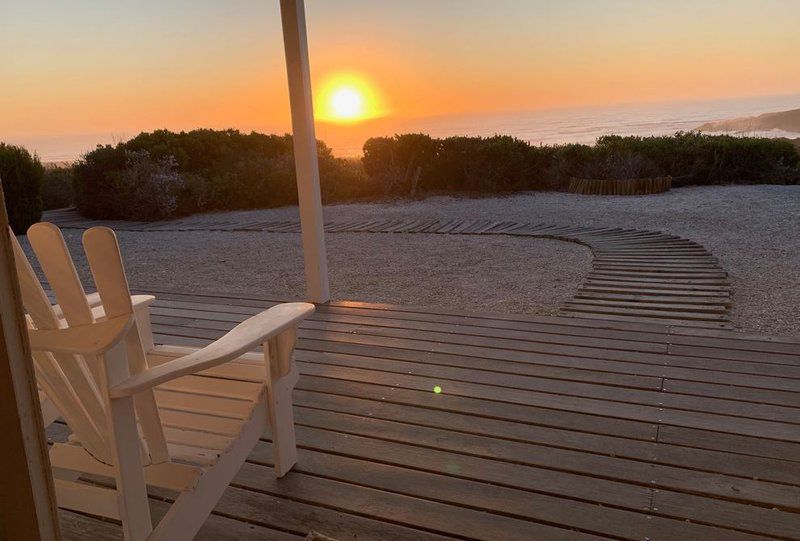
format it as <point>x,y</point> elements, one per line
<point>117,68</point>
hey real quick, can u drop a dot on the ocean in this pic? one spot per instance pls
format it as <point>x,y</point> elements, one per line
<point>556,126</point>
<point>577,125</point>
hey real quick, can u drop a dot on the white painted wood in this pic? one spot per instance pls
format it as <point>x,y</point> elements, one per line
<point>49,410</point>
<point>65,378</point>
<point>293,19</point>
<point>159,423</point>
<point>172,475</point>
<point>210,424</point>
<point>34,298</point>
<point>141,308</point>
<point>94,339</point>
<point>180,522</point>
<point>27,497</point>
<point>243,390</point>
<point>207,405</point>
<point>131,490</point>
<point>141,311</point>
<point>105,261</point>
<point>68,403</point>
<point>193,438</point>
<point>281,422</point>
<point>86,498</point>
<point>51,251</point>
<point>242,338</point>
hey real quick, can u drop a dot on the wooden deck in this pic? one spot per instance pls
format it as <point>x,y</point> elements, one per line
<point>546,428</point>
<point>636,275</point>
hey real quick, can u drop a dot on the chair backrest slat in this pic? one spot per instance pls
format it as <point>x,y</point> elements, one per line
<point>70,405</point>
<point>105,261</point>
<point>52,252</point>
<point>53,255</point>
<point>75,383</point>
<point>65,378</point>
<point>33,296</point>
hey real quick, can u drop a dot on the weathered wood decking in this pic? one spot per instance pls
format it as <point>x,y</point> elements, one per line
<point>546,428</point>
<point>636,275</point>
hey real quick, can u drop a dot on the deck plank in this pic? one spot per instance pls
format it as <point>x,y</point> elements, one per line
<point>547,427</point>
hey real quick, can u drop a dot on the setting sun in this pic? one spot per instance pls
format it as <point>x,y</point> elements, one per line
<point>347,98</point>
<point>347,103</point>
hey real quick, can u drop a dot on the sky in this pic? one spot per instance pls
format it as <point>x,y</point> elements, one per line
<point>82,68</point>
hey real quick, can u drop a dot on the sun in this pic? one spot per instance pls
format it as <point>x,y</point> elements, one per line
<point>347,103</point>
<point>347,98</point>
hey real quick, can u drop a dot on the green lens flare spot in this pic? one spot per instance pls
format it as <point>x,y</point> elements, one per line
<point>437,390</point>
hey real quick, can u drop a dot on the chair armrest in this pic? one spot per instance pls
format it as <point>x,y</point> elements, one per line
<point>93,339</point>
<point>241,339</point>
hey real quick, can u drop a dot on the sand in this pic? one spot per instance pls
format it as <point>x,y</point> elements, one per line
<point>753,230</point>
<point>495,274</point>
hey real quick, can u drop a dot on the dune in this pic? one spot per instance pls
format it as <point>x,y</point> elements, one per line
<point>783,120</point>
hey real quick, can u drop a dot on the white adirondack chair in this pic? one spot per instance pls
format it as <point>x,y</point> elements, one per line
<point>176,418</point>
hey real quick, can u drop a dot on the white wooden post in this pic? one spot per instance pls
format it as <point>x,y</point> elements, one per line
<point>295,45</point>
<point>27,497</point>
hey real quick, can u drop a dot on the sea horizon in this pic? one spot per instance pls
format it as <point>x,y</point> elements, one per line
<point>539,127</point>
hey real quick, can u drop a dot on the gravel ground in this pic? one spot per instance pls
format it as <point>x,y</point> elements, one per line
<point>493,274</point>
<point>754,230</point>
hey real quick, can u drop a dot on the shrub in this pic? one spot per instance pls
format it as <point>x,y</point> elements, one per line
<point>505,164</point>
<point>693,158</point>
<point>57,189</point>
<point>396,164</point>
<point>147,188</point>
<point>94,191</point>
<point>474,164</point>
<point>202,170</point>
<point>21,175</point>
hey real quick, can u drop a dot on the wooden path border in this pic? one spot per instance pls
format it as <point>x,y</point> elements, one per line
<point>636,275</point>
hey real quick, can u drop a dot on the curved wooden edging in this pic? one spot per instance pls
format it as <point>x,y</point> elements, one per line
<point>644,276</point>
<point>639,186</point>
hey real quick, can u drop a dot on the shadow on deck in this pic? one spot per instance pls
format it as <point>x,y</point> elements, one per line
<point>546,428</point>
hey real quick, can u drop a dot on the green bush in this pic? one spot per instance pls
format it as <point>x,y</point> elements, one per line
<point>21,175</point>
<point>692,158</point>
<point>502,164</point>
<point>147,188</point>
<point>163,174</point>
<point>57,190</point>
<point>395,164</point>
<point>208,170</point>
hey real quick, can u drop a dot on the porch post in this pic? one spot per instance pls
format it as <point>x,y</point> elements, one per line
<point>295,46</point>
<point>27,499</point>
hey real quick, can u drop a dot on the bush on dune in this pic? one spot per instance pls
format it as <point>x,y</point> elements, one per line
<point>394,164</point>
<point>21,175</point>
<point>201,170</point>
<point>57,189</point>
<point>162,174</point>
<point>503,164</point>
<point>697,159</point>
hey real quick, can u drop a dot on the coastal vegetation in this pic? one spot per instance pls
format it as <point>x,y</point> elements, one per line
<point>21,175</point>
<point>57,190</point>
<point>162,174</point>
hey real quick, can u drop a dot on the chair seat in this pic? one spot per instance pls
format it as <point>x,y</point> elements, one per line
<point>202,414</point>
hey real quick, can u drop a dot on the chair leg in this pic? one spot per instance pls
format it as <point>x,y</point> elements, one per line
<point>142,315</point>
<point>126,451</point>
<point>281,421</point>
